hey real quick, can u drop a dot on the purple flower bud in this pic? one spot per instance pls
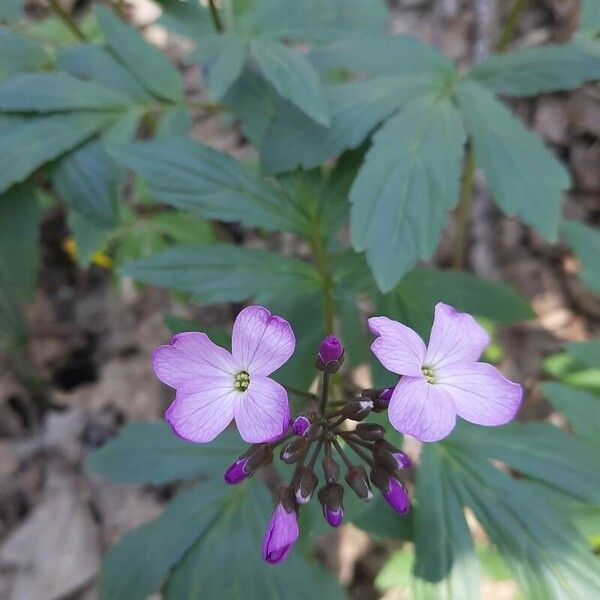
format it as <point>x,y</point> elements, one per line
<point>334,516</point>
<point>370,432</point>
<point>357,479</point>
<point>236,473</point>
<point>281,534</point>
<point>402,460</point>
<point>357,410</point>
<point>294,451</point>
<point>330,349</point>
<point>396,495</point>
<point>331,497</point>
<point>382,401</point>
<point>301,425</point>
<point>304,483</point>
<point>390,457</point>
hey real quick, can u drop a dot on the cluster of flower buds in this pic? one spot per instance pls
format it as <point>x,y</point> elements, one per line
<point>324,434</point>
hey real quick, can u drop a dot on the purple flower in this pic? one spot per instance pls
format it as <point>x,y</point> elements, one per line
<point>444,379</point>
<point>330,349</point>
<point>281,534</point>
<point>215,386</point>
<point>396,495</point>
<point>301,425</point>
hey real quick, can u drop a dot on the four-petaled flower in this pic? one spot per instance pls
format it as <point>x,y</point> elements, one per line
<point>213,386</point>
<point>443,379</point>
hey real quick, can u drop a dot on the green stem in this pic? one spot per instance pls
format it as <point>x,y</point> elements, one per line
<point>214,13</point>
<point>467,185</point>
<point>320,258</point>
<point>68,20</point>
<point>341,452</point>
<point>324,393</point>
<point>358,450</point>
<point>293,390</point>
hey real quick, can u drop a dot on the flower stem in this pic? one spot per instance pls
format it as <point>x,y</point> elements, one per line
<point>341,452</point>
<point>297,392</point>
<point>324,393</point>
<point>214,14</point>
<point>359,451</point>
<point>320,258</point>
<point>313,458</point>
<point>466,189</point>
<point>68,20</point>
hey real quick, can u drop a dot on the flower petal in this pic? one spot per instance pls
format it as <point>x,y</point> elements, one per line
<point>398,348</point>
<point>261,342</point>
<point>481,394</point>
<point>202,409</point>
<point>262,412</point>
<point>422,410</point>
<point>280,536</point>
<point>191,355</point>
<point>454,337</point>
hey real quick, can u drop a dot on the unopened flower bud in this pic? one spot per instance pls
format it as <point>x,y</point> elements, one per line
<point>294,451</point>
<point>302,425</point>
<point>370,432</point>
<point>390,457</point>
<point>282,530</point>
<point>331,355</point>
<point>331,469</point>
<point>391,488</point>
<point>246,465</point>
<point>304,483</point>
<point>382,401</point>
<point>331,496</point>
<point>357,410</point>
<point>357,479</point>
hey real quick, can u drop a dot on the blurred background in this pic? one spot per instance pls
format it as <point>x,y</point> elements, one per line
<point>85,370</point>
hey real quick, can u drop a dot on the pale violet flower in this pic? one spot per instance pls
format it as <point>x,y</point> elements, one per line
<point>214,386</point>
<point>444,379</point>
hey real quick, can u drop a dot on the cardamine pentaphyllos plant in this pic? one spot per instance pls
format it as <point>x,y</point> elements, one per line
<point>437,382</point>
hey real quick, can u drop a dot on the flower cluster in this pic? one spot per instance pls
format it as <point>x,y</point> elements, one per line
<point>437,383</point>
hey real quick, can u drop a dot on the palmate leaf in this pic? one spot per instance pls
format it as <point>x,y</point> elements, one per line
<point>408,182</point>
<point>293,77</point>
<point>585,242</point>
<point>532,71</point>
<point>192,176</point>
<point>224,273</point>
<point>152,453</point>
<point>49,92</point>
<point>526,180</point>
<point>26,144</point>
<point>19,53</point>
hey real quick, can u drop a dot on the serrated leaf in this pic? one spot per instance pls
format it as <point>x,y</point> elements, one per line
<point>585,242</point>
<point>152,453</point>
<point>195,177</point>
<point>582,410</point>
<point>27,144</point>
<point>290,139</point>
<point>19,53</point>
<point>226,561</point>
<point>408,182</point>
<point>20,219</point>
<point>147,64</point>
<point>293,77</point>
<point>532,71</point>
<point>526,180</point>
<point>89,61</point>
<point>90,183</point>
<point>224,273</point>
<point>49,92</point>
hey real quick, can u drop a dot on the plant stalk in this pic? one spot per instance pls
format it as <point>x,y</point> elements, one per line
<point>214,14</point>
<point>68,20</point>
<point>320,259</point>
<point>297,392</point>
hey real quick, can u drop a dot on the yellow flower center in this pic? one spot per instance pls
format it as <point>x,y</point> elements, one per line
<point>241,381</point>
<point>429,374</point>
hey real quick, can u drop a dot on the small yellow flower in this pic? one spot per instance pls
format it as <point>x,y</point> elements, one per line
<point>101,259</point>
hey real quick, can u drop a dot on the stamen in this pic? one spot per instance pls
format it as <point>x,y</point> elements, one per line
<point>241,381</point>
<point>429,374</point>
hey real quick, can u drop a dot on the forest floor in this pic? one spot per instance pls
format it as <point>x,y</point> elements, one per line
<point>91,340</point>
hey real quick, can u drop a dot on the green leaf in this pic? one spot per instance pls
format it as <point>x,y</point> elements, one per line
<point>195,177</point>
<point>20,219</point>
<point>226,562</point>
<point>569,370</point>
<point>89,182</point>
<point>532,71</point>
<point>585,352</point>
<point>48,92</point>
<point>189,19</point>
<point>414,299</point>
<point>408,182</point>
<point>446,568</point>
<point>224,273</point>
<point>396,572</point>
<point>152,453</point>
<point>175,122</point>
<point>147,64</point>
<point>218,335</point>
<point>585,242</point>
<point>531,447</point>
<point>89,61</point>
<point>27,144</point>
<point>89,237</point>
<point>19,53</point>
<point>544,551</point>
<point>590,16</point>
<point>526,180</point>
<point>10,10</point>
<point>290,139</point>
<point>293,77</point>
<point>582,409</point>
<point>224,57</point>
